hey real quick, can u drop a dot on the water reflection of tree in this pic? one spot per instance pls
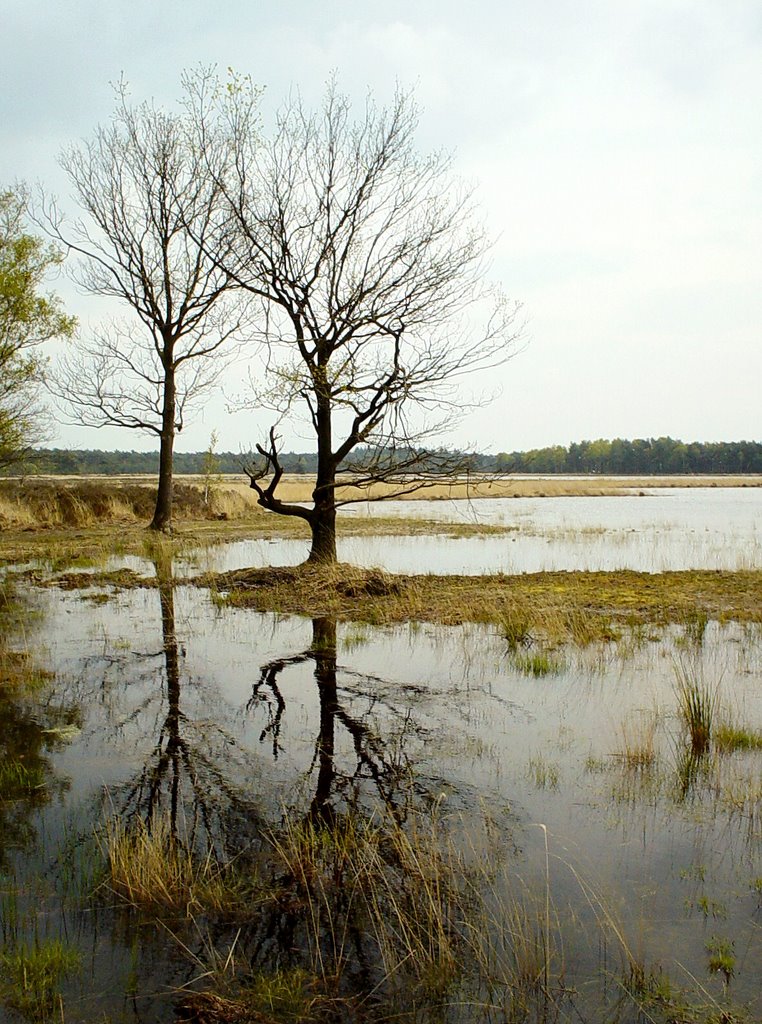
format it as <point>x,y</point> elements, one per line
<point>365,790</point>
<point>375,760</point>
<point>188,773</point>
<point>33,724</point>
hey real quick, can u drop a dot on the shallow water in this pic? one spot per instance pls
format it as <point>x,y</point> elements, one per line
<point>162,699</point>
<point>665,529</point>
<point>159,699</point>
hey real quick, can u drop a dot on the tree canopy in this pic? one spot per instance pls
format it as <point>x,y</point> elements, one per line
<point>28,317</point>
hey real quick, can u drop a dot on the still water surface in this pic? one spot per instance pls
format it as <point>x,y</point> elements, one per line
<point>665,529</point>
<point>161,699</point>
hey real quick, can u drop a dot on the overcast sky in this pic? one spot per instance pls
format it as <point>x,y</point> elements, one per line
<point>617,148</point>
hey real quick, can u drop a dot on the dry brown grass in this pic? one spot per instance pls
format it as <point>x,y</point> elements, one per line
<point>150,868</point>
<point>233,495</point>
<point>46,503</point>
<point>299,488</point>
<point>66,503</point>
<point>637,749</point>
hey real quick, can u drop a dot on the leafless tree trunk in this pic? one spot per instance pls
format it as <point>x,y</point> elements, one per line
<point>369,266</point>
<point>153,203</point>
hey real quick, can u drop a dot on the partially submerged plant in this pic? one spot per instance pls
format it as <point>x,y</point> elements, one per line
<point>722,958</point>
<point>152,868</point>
<point>538,664</point>
<point>637,751</point>
<point>697,702</point>
<point>516,626</point>
<point>31,976</point>
<point>544,774</point>
<point>730,736</point>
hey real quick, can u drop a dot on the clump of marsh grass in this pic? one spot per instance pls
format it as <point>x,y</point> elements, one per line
<point>544,774</point>
<point>585,628</point>
<point>695,622</point>
<point>538,664</point>
<point>731,736</point>
<point>516,626</point>
<point>399,922</point>
<point>637,749</point>
<point>403,887</point>
<point>152,869</point>
<point>697,704</point>
<point>721,958</point>
<point>391,919</point>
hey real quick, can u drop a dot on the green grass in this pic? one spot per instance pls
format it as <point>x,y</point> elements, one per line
<point>538,664</point>
<point>729,738</point>
<point>16,777</point>
<point>721,958</point>
<point>31,976</point>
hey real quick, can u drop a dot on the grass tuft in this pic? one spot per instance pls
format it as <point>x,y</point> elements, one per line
<point>637,750</point>
<point>538,664</point>
<point>730,737</point>
<point>150,868</point>
<point>697,703</point>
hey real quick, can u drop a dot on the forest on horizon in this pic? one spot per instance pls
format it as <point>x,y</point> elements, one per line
<point>642,456</point>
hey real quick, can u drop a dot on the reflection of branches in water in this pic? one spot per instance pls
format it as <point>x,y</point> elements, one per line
<point>275,705</point>
<point>374,759</point>
<point>187,775</point>
<point>29,731</point>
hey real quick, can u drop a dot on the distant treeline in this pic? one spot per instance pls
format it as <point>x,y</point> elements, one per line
<point>91,462</point>
<point>641,457</point>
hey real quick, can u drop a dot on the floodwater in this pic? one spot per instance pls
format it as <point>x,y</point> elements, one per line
<point>160,700</point>
<point>665,529</point>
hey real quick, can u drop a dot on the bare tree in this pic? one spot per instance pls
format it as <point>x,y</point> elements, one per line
<point>152,200</point>
<point>369,264</point>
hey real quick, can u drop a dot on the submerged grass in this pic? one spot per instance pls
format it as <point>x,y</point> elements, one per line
<point>637,750</point>
<point>402,921</point>
<point>31,976</point>
<point>396,921</point>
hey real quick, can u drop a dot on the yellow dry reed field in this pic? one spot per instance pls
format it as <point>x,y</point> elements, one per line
<point>298,488</point>
<point>295,487</point>
<point>14,514</point>
<point>50,504</point>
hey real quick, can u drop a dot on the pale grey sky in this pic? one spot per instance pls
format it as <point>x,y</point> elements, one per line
<point>616,145</point>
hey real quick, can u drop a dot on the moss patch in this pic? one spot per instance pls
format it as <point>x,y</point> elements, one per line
<point>565,600</point>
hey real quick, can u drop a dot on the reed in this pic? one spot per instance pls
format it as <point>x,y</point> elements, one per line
<point>152,869</point>
<point>637,748</point>
<point>697,703</point>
